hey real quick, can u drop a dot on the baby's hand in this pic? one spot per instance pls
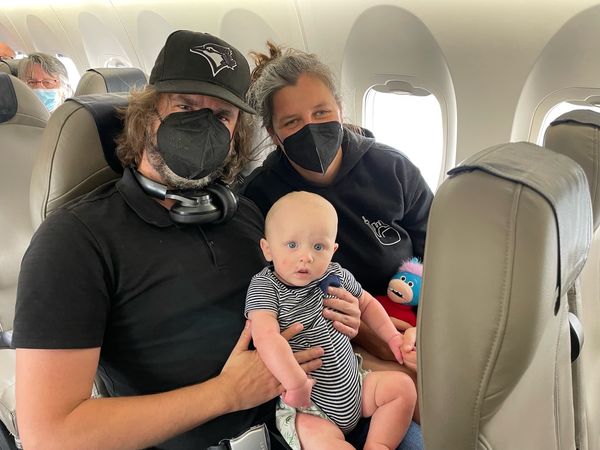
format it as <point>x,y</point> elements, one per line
<point>409,348</point>
<point>410,359</point>
<point>395,344</point>
<point>300,396</point>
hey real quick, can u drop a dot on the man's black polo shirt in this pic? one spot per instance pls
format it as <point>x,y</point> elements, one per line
<point>165,302</point>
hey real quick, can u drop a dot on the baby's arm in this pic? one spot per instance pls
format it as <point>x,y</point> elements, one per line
<point>375,316</point>
<point>277,355</point>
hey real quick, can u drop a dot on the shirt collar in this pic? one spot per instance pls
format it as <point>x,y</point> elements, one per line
<point>146,207</point>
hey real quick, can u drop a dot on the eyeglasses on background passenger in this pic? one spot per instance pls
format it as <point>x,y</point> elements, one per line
<point>47,83</point>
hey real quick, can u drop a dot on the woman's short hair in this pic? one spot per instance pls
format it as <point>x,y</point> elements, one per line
<point>281,68</point>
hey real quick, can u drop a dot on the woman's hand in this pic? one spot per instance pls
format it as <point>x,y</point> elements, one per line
<point>400,325</point>
<point>343,311</point>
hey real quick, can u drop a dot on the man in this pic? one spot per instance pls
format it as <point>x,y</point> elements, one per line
<point>6,52</point>
<point>48,78</point>
<point>113,281</point>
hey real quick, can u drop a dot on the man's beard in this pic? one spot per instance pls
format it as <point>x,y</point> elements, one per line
<point>170,178</point>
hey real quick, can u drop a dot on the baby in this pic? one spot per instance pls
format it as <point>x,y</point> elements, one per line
<point>316,411</point>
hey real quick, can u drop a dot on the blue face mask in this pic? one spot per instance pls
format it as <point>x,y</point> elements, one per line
<point>51,98</point>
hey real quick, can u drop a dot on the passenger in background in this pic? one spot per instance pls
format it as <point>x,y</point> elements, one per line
<point>6,52</point>
<point>112,283</point>
<point>381,198</point>
<point>48,78</point>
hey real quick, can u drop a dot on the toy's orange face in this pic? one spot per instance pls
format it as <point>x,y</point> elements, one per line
<point>399,291</point>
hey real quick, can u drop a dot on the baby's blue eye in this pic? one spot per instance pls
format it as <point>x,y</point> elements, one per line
<point>318,247</point>
<point>292,245</point>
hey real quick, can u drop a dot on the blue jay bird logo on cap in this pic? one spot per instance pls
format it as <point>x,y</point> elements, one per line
<point>218,57</point>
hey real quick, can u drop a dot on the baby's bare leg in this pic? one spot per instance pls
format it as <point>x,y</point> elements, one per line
<point>319,434</point>
<point>389,399</point>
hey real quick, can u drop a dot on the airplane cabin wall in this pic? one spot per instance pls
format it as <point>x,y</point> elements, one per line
<point>568,69</point>
<point>490,64</point>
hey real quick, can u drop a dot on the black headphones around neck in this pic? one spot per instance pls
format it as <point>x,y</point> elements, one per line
<point>213,204</point>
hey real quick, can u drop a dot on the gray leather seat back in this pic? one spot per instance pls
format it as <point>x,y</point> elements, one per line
<point>508,234</point>
<point>576,134</point>
<point>72,160</point>
<point>10,66</point>
<point>22,121</point>
<point>110,79</point>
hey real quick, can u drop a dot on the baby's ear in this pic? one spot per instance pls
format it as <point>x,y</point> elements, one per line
<point>264,246</point>
<point>335,247</point>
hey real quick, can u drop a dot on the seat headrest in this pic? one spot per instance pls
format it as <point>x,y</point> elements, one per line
<point>104,110</point>
<point>77,153</point>
<point>576,134</point>
<point>18,103</point>
<point>557,179</point>
<point>10,66</point>
<point>110,79</point>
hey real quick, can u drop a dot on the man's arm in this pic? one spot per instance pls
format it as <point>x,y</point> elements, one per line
<point>56,412</point>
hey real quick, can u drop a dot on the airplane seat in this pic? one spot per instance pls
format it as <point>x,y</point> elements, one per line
<point>9,66</point>
<point>577,134</point>
<point>77,153</point>
<point>22,121</point>
<point>110,79</point>
<point>508,234</point>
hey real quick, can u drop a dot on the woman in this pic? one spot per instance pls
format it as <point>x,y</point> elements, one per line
<point>381,198</point>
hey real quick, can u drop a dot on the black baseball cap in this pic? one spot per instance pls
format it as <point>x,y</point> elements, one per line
<point>200,63</point>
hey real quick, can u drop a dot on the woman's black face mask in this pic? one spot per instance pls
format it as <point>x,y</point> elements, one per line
<point>314,146</point>
<point>193,144</point>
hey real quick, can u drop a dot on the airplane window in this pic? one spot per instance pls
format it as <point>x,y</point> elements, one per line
<point>71,69</point>
<point>558,110</point>
<point>115,61</point>
<point>410,123</point>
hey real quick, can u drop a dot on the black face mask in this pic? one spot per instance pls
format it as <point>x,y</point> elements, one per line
<point>193,144</point>
<point>314,146</point>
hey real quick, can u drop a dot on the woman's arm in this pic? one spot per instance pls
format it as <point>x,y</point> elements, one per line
<point>369,341</point>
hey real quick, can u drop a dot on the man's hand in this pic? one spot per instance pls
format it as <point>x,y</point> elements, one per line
<point>247,379</point>
<point>343,311</point>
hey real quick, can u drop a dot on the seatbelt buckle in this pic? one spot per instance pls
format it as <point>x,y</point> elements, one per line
<point>255,438</point>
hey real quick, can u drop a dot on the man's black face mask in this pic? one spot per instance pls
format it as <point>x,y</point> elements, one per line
<point>314,146</point>
<point>193,144</point>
